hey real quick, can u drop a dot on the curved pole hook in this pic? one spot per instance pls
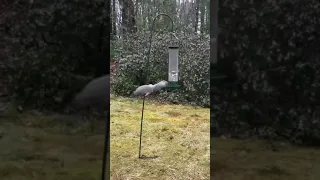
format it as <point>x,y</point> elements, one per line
<point>151,33</point>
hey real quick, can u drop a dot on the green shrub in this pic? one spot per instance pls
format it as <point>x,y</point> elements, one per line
<point>133,69</point>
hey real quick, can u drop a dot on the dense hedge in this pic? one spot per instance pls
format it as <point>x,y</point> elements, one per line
<point>134,70</point>
<point>270,52</point>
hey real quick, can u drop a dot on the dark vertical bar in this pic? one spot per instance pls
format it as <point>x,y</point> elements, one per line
<point>141,126</point>
<point>105,62</point>
<point>213,60</point>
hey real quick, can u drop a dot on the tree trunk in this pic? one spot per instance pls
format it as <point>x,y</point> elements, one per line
<point>196,16</point>
<point>114,18</point>
<point>202,14</point>
<point>128,16</point>
<point>207,15</point>
<point>214,32</point>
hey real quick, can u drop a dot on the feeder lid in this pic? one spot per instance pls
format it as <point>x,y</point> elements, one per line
<point>173,47</point>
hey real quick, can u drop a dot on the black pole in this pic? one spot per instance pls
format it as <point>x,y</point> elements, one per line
<point>148,58</point>
<point>141,127</point>
<point>106,151</point>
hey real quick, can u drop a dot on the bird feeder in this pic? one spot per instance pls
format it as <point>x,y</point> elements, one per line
<point>173,70</point>
<point>173,76</point>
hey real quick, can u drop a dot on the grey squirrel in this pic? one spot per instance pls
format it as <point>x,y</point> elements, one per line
<point>96,94</point>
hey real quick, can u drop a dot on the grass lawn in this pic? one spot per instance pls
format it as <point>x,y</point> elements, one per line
<point>34,146</point>
<point>254,160</point>
<point>178,135</point>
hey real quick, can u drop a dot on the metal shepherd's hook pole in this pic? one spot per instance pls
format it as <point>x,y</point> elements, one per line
<point>106,153</point>
<point>148,57</point>
<point>144,97</point>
